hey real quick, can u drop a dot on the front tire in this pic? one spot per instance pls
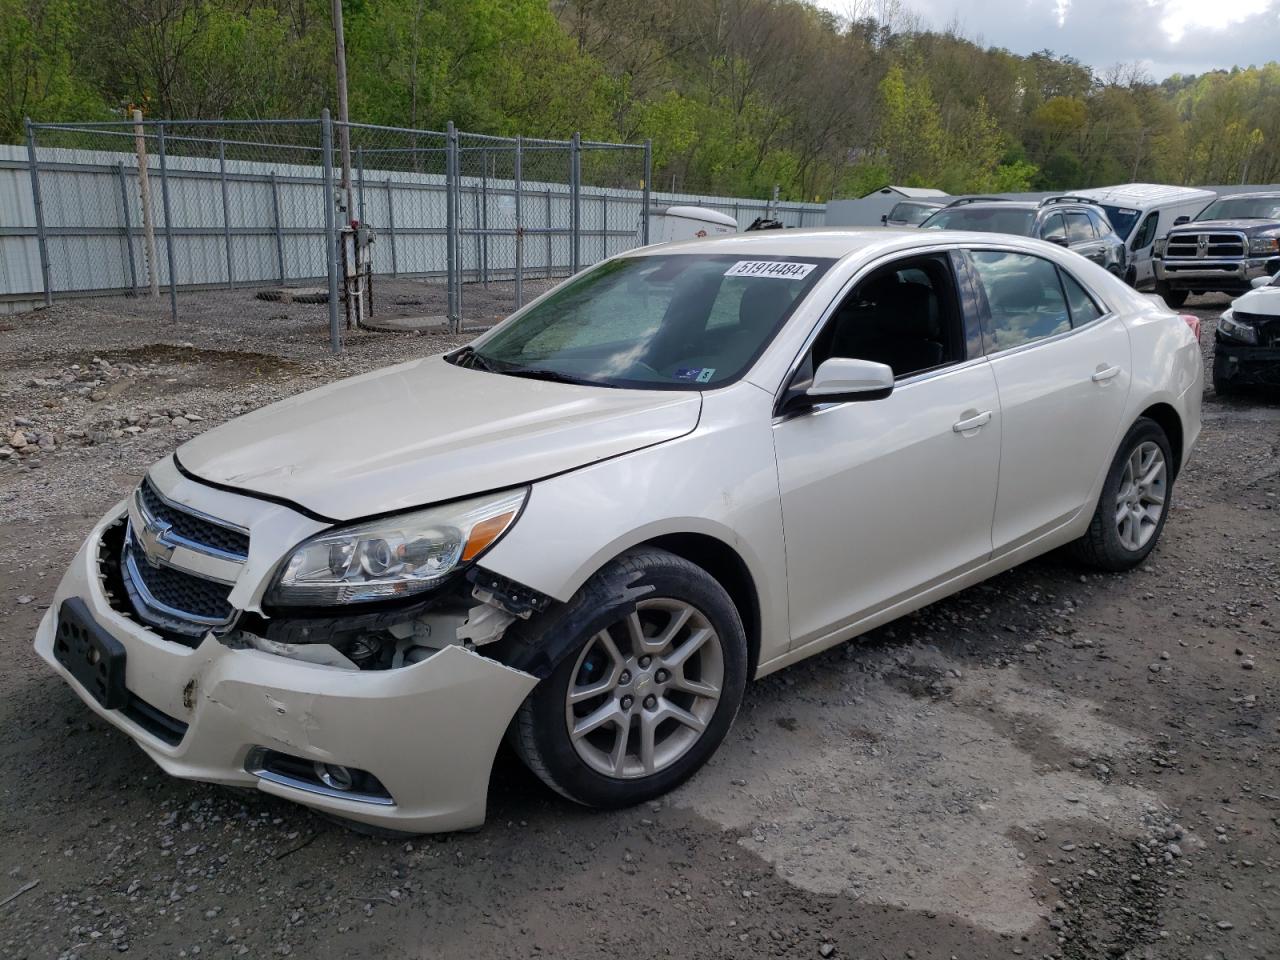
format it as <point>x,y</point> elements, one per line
<point>652,678</point>
<point>1134,503</point>
<point>1174,298</point>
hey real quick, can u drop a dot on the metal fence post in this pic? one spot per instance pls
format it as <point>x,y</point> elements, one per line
<point>483,219</point>
<point>451,225</point>
<point>360,173</point>
<point>330,230</point>
<point>275,208</point>
<point>575,201</point>
<point>644,203</point>
<point>226,211</point>
<point>168,224</point>
<point>391,228</point>
<point>519,226</point>
<point>549,251</point>
<point>127,220</point>
<point>604,226</point>
<point>41,240</point>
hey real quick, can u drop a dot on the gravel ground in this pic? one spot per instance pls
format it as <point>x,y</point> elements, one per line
<point>1051,764</point>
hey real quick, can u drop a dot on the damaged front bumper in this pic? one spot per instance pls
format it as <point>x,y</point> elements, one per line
<point>418,741</point>
<point>1245,365</point>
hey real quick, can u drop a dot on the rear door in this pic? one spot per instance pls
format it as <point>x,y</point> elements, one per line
<point>1061,362</point>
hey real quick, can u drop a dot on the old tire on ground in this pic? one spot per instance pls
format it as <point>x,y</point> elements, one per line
<point>652,675</point>
<point>1174,298</point>
<point>1134,502</point>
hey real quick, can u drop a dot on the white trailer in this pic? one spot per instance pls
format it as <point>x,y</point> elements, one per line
<point>688,223</point>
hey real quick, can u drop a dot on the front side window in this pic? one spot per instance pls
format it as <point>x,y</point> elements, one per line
<point>1147,232</point>
<point>905,315</point>
<point>992,219</point>
<point>687,321</point>
<point>1024,298</point>
<point>1079,229</point>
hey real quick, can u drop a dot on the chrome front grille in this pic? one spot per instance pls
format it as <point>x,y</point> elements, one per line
<point>1209,245</point>
<point>179,565</point>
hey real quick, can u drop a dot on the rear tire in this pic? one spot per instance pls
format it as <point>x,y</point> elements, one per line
<point>1174,298</point>
<point>1134,502</point>
<point>651,680</point>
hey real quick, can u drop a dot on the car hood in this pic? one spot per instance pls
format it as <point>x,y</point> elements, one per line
<point>1248,226</point>
<point>1263,302</point>
<point>428,431</point>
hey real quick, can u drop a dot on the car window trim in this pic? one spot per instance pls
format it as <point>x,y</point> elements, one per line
<point>1108,312</point>
<point>941,247</point>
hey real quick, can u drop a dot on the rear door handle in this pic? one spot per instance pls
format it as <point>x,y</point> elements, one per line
<point>1103,374</point>
<point>972,423</point>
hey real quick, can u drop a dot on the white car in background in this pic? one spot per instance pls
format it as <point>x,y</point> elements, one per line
<point>689,466</point>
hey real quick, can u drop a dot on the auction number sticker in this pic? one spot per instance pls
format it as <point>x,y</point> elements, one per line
<point>778,269</point>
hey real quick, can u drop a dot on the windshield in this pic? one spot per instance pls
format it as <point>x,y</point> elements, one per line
<point>911,213</point>
<point>667,322</point>
<point>1242,208</point>
<point>1122,219</point>
<point>994,219</point>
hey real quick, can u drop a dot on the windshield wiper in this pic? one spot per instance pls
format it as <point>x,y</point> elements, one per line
<point>474,360</point>
<point>541,373</point>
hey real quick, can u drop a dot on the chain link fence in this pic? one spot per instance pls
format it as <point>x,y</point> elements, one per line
<point>456,230</point>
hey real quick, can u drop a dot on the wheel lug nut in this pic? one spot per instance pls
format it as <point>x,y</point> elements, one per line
<point>644,663</point>
<point>627,702</point>
<point>626,677</point>
<point>661,676</point>
<point>650,702</point>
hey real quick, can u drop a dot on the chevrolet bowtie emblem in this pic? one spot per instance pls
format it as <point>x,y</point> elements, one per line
<point>154,542</point>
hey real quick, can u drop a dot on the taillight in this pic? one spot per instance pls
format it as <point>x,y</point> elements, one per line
<point>1193,322</point>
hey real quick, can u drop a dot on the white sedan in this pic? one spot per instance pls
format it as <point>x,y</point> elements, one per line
<point>689,466</point>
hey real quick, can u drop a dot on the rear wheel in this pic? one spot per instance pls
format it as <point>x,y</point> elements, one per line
<point>1174,298</point>
<point>648,688</point>
<point>1135,499</point>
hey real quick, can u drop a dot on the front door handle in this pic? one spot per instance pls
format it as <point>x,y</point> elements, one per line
<point>972,423</point>
<point>1103,374</point>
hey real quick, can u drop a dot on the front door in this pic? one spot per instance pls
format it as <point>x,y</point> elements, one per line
<point>1062,366</point>
<point>882,498</point>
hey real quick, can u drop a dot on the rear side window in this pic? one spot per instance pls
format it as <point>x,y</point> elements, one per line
<point>1079,228</point>
<point>1083,308</point>
<point>1024,297</point>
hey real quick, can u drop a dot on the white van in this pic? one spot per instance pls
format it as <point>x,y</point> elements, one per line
<point>688,223</point>
<point>1141,214</point>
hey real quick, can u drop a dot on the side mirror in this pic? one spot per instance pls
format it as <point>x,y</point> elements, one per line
<point>1060,241</point>
<point>884,219</point>
<point>1181,220</point>
<point>842,379</point>
<point>1257,282</point>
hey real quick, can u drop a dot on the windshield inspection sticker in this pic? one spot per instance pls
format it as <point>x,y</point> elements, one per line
<point>770,268</point>
<point>696,374</point>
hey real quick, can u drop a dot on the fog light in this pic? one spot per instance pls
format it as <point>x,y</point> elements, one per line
<point>333,776</point>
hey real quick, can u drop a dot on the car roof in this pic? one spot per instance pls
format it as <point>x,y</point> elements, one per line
<point>1140,194</point>
<point>830,242</point>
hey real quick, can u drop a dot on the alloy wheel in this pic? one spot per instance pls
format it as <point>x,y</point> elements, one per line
<point>1140,500</point>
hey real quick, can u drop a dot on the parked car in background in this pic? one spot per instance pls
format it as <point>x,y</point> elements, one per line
<point>911,213</point>
<point>688,466</point>
<point>1066,221</point>
<point>1142,214</point>
<point>1229,244</point>
<point>1246,348</point>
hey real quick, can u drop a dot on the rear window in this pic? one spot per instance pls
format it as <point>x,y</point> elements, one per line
<point>992,219</point>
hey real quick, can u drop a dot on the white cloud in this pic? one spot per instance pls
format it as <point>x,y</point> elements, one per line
<point>1178,17</point>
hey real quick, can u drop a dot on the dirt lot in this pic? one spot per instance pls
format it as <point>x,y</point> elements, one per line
<point>1052,764</point>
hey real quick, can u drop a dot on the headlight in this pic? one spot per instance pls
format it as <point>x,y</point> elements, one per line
<point>1233,329</point>
<point>395,556</point>
<point>1264,245</point>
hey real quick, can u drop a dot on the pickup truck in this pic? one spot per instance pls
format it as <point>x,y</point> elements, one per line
<point>1230,243</point>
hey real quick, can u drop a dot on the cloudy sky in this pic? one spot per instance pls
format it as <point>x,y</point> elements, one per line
<point>1168,36</point>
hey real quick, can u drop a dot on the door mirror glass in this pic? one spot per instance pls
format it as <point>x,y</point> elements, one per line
<point>841,379</point>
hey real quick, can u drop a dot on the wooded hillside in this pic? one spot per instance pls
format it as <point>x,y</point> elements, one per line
<point>737,95</point>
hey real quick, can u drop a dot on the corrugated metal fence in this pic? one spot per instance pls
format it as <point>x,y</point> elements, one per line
<point>135,208</point>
